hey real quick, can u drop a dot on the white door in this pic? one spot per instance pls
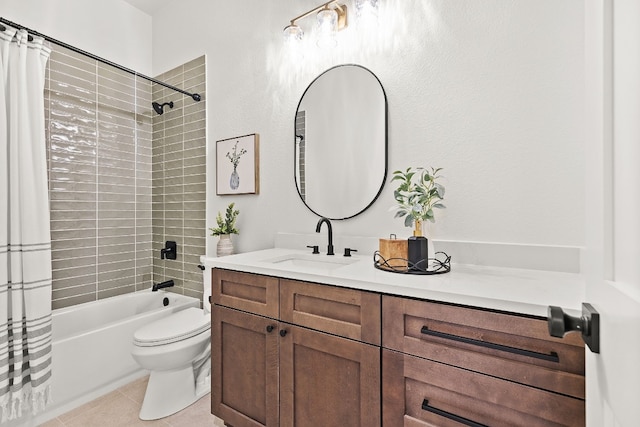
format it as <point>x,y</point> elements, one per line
<point>612,256</point>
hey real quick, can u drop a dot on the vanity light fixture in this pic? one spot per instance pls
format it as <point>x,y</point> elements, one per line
<point>366,11</point>
<point>331,18</point>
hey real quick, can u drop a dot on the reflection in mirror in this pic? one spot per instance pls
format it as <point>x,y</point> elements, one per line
<point>341,142</point>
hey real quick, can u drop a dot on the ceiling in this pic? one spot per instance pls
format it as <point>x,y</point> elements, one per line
<point>148,6</point>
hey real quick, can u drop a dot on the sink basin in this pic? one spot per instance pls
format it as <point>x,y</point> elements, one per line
<point>311,262</point>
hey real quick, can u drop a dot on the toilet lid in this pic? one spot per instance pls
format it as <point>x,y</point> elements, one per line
<point>175,327</point>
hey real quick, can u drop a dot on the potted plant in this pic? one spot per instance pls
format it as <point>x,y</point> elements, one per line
<point>226,227</point>
<point>418,194</point>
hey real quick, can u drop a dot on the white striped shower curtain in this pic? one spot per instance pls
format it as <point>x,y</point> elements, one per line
<point>25,238</point>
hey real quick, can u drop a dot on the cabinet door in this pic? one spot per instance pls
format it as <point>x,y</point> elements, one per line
<point>420,392</point>
<point>244,374</point>
<point>327,381</point>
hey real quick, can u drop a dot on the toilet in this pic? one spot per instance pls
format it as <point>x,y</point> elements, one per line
<point>177,352</point>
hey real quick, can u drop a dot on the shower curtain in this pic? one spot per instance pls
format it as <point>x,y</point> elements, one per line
<point>25,238</point>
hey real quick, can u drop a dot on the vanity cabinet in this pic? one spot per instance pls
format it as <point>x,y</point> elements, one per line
<point>447,365</point>
<point>290,353</point>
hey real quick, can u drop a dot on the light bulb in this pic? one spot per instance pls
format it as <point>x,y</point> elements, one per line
<point>327,28</point>
<point>293,35</point>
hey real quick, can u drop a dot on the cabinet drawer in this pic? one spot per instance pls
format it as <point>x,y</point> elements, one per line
<point>245,291</point>
<point>344,312</point>
<point>420,392</point>
<point>502,345</point>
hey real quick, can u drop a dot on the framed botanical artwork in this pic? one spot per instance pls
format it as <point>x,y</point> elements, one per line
<point>237,165</point>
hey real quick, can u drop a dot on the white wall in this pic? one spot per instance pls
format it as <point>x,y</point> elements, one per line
<point>491,91</point>
<point>111,29</point>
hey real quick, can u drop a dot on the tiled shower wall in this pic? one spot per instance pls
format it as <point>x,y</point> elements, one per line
<point>179,177</point>
<point>99,153</point>
<point>99,140</point>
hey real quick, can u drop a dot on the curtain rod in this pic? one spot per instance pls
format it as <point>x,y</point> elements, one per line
<point>195,96</point>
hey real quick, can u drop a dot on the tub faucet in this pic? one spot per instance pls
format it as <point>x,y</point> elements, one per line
<point>165,284</point>
<point>330,230</point>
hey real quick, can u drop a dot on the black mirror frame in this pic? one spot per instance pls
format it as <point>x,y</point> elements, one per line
<point>386,142</point>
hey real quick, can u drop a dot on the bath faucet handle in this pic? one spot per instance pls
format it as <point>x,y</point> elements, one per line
<point>315,248</point>
<point>347,251</point>
<point>170,250</point>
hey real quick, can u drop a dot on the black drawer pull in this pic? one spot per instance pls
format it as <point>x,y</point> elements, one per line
<point>553,357</point>
<point>449,415</point>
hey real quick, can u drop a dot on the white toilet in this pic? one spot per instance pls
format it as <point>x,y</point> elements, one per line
<point>177,352</point>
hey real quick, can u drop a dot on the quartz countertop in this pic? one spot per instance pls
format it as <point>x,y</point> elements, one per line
<point>513,290</point>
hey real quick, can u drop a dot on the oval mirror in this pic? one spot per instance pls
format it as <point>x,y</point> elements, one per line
<point>341,142</point>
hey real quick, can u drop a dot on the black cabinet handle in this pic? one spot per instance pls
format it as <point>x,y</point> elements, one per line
<point>270,328</point>
<point>449,415</point>
<point>283,332</point>
<point>552,357</point>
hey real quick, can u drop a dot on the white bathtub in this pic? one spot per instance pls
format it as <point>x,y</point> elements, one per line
<point>91,352</point>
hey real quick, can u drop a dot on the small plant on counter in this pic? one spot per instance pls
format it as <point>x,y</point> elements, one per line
<point>417,200</point>
<point>228,224</point>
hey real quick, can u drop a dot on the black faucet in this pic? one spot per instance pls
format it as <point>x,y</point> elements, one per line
<point>166,284</point>
<point>325,220</point>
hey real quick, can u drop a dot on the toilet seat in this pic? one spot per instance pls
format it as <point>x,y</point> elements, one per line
<point>177,327</point>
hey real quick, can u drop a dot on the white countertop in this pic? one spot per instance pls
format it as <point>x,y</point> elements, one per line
<point>506,289</point>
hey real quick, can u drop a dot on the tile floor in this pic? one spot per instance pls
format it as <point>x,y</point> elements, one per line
<point>120,408</point>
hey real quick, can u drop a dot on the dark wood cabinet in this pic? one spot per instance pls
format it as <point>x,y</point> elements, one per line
<point>344,312</point>
<point>327,380</point>
<point>244,368</point>
<point>252,293</point>
<point>421,392</point>
<point>443,362</point>
<point>290,353</point>
<point>303,362</point>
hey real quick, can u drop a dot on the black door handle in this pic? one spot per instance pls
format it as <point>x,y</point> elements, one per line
<point>270,328</point>
<point>561,323</point>
<point>283,332</point>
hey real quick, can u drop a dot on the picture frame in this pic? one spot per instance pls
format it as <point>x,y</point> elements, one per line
<point>237,165</point>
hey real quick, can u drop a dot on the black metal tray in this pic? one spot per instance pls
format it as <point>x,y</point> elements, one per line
<point>439,265</point>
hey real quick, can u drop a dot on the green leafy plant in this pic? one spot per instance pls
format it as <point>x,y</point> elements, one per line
<point>228,224</point>
<point>418,194</point>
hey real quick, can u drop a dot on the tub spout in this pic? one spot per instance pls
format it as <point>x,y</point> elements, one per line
<point>165,284</point>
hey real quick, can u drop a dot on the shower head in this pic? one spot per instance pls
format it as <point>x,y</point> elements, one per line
<point>160,107</point>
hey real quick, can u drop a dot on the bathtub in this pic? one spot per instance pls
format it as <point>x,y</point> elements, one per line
<point>91,351</point>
